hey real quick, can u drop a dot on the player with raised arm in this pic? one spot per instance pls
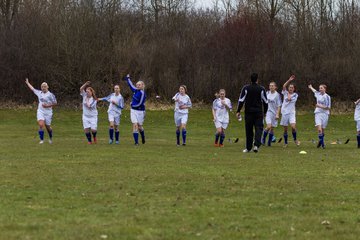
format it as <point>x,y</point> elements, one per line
<point>288,110</point>
<point>114,113</point>
<point>272,114</point>
<point>90,113</point>
<point>137,112</point>
<point>220,111</point>
<point>44,114</point>
<point>357,120</point>
<point>182,105</point>
<point>322,111</point>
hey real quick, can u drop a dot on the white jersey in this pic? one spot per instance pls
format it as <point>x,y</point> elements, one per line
<point>89,105</point>
<point>357,112</point>
<point>274,101</point>
<point>322,99</point>
<point>182,100</point>
<point>221,112</point>
<point>45,98</point>
<point>119,103</point>
<point>288,106</point>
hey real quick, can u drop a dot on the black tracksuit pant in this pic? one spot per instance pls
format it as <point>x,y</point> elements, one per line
<point>253,120</point>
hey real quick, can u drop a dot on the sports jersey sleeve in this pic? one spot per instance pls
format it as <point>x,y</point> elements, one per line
<point>278,101</point>
<point>328,101</point>
<point>242,98</point>
<point>37,92</point>
<point>83,93</point>
<point>229,104</point>
<point>131,85</point>
<point>294,97</point>
<point>53,99</point>
<point>188,103</point>
<point>214,104</point>
<point>121,103</point>
<point>264,100</point>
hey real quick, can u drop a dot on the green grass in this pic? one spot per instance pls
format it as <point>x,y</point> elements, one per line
<point>70,190</point>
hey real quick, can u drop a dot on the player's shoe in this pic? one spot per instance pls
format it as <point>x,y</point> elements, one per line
<point>136,144</point>
<point>297,142</point>
<point>256,149</point>
<point>117,142</point>
<point>95,141</point>
<point>50,141</point>
<point>285,146</point>
<point>184,144</point>
<point>89,143</point>
<point>221,145</point>
<point>111,141</point>
<point>143,140</point>
<point>246,151</point>
<point>216,144</point>
<point>319,144</point>
<point>41,142</point>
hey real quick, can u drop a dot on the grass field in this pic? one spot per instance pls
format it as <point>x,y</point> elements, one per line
<point>70,190</point>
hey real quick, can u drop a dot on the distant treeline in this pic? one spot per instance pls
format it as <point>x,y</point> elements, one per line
<point>171,42</point>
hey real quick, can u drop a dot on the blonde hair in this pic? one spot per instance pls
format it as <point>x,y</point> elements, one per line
<point>143,84</point>
<point>93,93</point>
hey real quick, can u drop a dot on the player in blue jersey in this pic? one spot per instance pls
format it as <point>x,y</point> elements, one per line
<point>357,120</point>
<point>90,113</point>
<point>137,112</point>
<point>322,111</point>
<point>114,113</point>
<point>44,114</point>
<point>182,105</point>
<point>220,111</point>
<point>272,114</point>
<point>288,110</point>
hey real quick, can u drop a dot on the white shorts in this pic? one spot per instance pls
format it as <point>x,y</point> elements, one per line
<point>358,125</point>
<point>321,119</point>
<point>114,117</point>
<point>271,119</point>
<point>90,122</point>
<point>288,119</point>
<point>221,124</point>
<point>45,117</point>
<point>180,118</point>
<point>137,116</point>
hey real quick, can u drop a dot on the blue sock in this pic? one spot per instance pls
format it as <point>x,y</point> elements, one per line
<point>265,133</point>
<point>271,135</point>
<point>41,134</point>
<point>184,136</point>
<point>222,137</point>
<point>111,133</point>
<point>50,134</point>
<point>294,135</point>
<point>136,137</point>
<point>285,138</point>
<point>94,134</point>
<point>142,133</point>
<point>322,140</point>
<point>88,136</point>
<point>117,135</point>
<point>178,137</point>
<point>217,135</point>
<point>358,140</point>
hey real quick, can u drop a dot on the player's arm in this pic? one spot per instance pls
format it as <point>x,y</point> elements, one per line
<point>29,85</point>
<point>357,101</point>
<point>214,114</point>
<point>241,101</point>
<point>327,104</point>
<point>131,85</point>
<point>264,101</point>
<point>292,77</point>
<point>52,104</point>
<point>311,88</point>
<point>175,98</point>
<point>82,88</point>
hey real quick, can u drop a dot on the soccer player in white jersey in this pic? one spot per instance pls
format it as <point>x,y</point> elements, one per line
<point>357,120</point>
<point>182,105</point>
<point>322,111</point>
<point>114,113</point>
<point>90,113</point>
<point>273,112</point>
<point>47,101</point>
<point>288,110</point>
<point>220,111</point>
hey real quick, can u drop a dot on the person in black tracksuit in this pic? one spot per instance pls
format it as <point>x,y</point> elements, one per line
<point>254,97</point>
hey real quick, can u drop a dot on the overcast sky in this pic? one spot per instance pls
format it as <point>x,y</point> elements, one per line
<point>204,3</point>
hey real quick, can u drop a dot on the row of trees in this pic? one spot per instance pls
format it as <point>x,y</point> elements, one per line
<point>171,42</point>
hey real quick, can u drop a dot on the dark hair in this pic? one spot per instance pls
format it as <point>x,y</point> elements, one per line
<point>184,87</point>
<point>254,77</point>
